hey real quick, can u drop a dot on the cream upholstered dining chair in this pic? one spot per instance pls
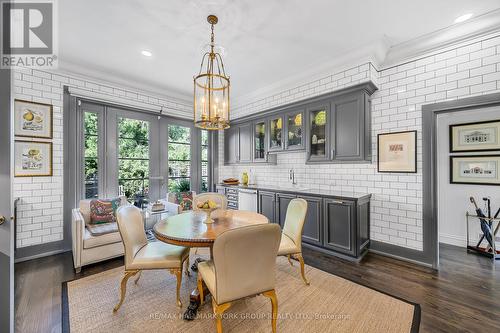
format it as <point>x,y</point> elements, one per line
<point>141,255</point>
<point>219,199</point>
<point>291,240</point>
<point>244,264</point>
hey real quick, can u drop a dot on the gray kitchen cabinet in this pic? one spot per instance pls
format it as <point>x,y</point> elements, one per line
<point>231,145</point>
<point>339,226</point>
<point>266,205</point>
<point>311,232</point>
<point>276,133</point>
<point>282,201</point>
<point>245,143</point>
<point>318,132</point>
<point>294,130</point>
<point>336,225</point>
<point>349,128</point>
<point>259,141</point>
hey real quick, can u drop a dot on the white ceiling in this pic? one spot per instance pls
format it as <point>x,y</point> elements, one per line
<point>264,41</point>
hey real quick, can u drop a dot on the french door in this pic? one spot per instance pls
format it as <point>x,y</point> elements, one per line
<point>139,155</point>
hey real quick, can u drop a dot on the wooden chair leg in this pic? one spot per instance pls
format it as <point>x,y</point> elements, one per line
<point>178,274</point>
<point>123,288</point>
<point>138,277</point>
<point>200,288</point>
<point>271,294</point>
<point>302,270</point>
<point>290,259</point>
<point>218,311</point>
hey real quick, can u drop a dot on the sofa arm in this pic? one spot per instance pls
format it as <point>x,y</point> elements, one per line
<point>172,207</point>
<point>77,234</point>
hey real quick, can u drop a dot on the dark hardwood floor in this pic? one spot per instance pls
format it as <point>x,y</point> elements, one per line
<point>463,296</point>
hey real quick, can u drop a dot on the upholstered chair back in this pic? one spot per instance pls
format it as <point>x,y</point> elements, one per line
<point>131,228</point>
<point>245,261</point>
<point>294,220</point>
<point>219,199</point>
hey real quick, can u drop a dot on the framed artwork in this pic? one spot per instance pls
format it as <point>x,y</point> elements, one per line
<point>397,152</point>
<point>32,119</point>
<point>32,158</point>
<point>478,136</point>
<point>477,169</point>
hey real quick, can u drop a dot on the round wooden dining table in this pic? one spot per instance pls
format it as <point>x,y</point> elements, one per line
<point>190,230</point>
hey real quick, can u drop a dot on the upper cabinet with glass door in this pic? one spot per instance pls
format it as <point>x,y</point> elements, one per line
<point>259,141</point>
<point>318,122</point>
<point>276,140</point>
<point>294,138</point>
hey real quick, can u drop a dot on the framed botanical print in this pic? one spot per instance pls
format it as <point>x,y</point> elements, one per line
<point>478,136</point>
<point>32,158</point>
<point>475,169</point>
<point>397,152</point>
<point>32,119</point>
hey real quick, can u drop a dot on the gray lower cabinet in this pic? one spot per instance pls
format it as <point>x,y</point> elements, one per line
<point>339,226</point>
<point>311,233</point>
<point>282,201</point>
<point>333,225</point>
<point>266,204</point>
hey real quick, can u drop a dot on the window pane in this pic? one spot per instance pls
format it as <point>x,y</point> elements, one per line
<point>178,151</point>
<point>133,158</point>
<point>204,184</point>
<point>204,154</point>
<point>179,185</point>
<point>179,169</point>
<point>204,169</point>
<point>91,146</point>
<point>178,133</point>
<point>179,158</point>
<point>133,149</point>
<point>90,121</point>
<point>204,138</point>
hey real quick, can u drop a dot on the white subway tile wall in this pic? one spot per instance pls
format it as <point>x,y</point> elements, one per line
<point>396,207</point>
<point>40,209</point>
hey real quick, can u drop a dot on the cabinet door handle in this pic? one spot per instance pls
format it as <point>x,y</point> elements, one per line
<point>338,202</point>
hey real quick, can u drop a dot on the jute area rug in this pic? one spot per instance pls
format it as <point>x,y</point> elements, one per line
<point>329,304</point>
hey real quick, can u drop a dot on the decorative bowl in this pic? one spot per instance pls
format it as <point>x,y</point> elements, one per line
<point>208,211</point>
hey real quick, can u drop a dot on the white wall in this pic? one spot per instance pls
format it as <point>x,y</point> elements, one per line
<point>453,199</point>
<point>396,214</point>
<point>40,210</point>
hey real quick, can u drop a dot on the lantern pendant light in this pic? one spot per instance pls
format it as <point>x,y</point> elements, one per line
<point>211,89</point>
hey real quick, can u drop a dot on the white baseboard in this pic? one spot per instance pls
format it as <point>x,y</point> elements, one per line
<point>452,240</point>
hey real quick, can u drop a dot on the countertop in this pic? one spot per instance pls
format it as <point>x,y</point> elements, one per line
<point>304,191</point>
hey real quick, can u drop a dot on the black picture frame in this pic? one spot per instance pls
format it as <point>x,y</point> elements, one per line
<point>452,157</point>
<point>414,132</point>
<point>451,127</point>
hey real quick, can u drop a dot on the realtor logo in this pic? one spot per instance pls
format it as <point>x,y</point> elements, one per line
<point>28,34</point>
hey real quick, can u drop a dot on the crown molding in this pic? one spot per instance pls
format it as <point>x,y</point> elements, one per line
<point>120,82</point>
<point>373,53</point>
<point>442,39</point>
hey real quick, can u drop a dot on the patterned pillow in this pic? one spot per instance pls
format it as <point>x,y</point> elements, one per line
<point>103,210</point>
<point>183,199</point>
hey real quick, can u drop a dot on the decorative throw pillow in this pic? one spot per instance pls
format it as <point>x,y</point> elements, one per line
<point>183,199</point>
<point>103,210</point>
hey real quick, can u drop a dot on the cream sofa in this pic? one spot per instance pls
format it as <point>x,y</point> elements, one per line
<point>87,248</point>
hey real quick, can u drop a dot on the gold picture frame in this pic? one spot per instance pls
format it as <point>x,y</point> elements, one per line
<point>32,158</point>
<point>33,119</point>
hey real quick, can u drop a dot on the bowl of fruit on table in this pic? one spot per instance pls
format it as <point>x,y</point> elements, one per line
<point>208,207</point>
